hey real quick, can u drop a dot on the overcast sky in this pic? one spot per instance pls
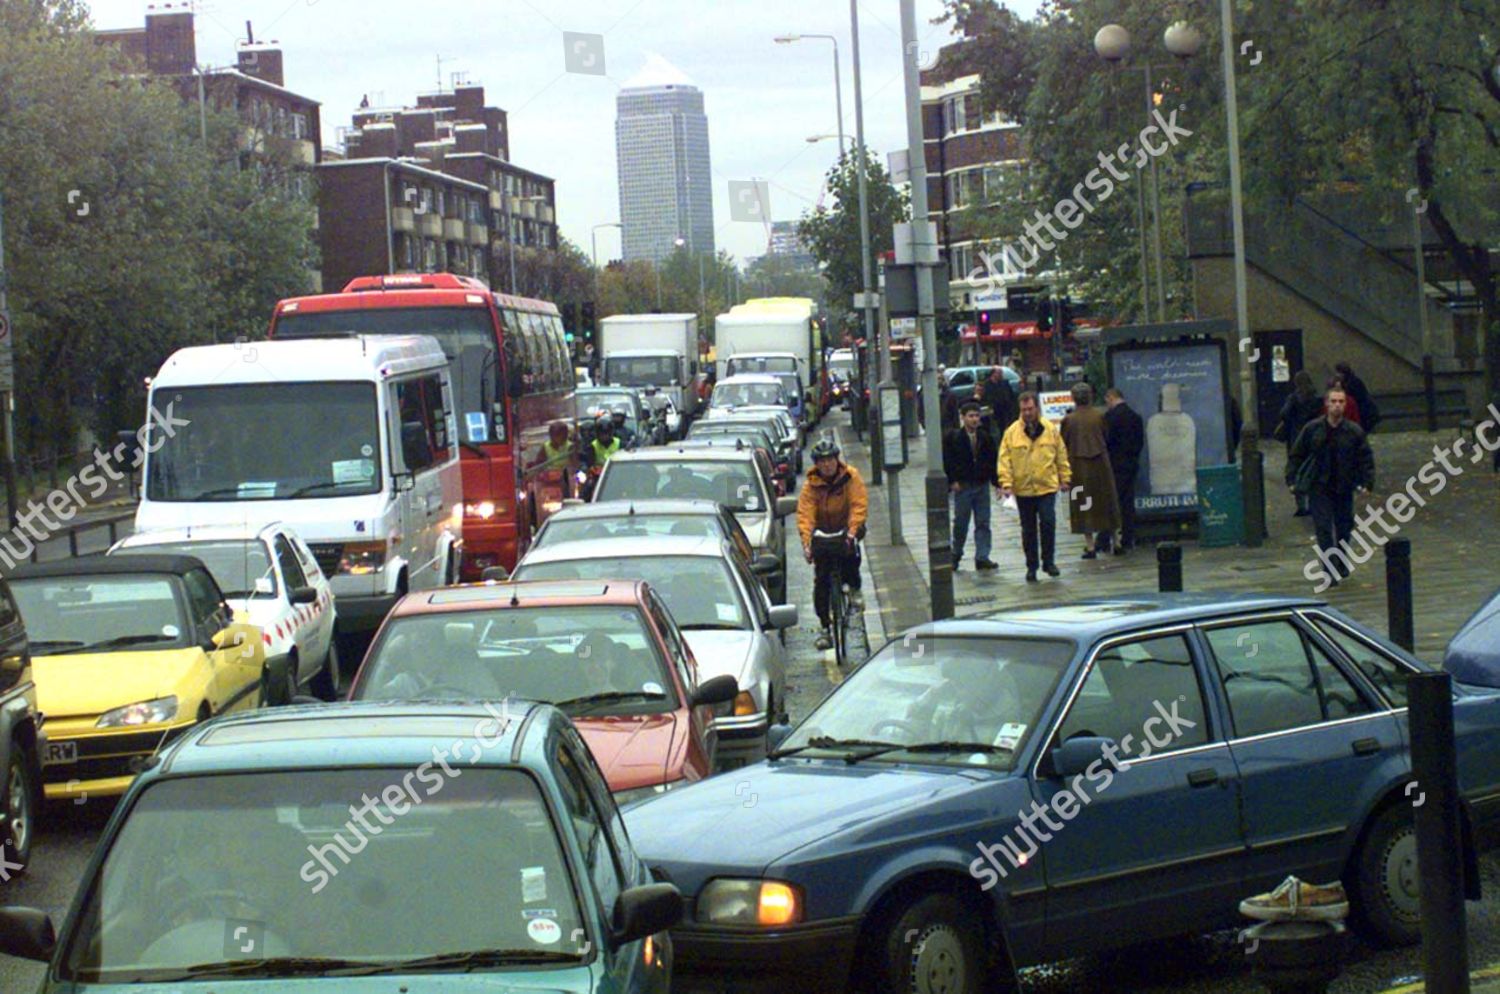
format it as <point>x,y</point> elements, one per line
<point>763,100</point>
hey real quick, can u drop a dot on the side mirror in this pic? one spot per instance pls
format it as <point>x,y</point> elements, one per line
<point>497,573</point>
<point>1077,754</point>
<point>402,482</point>
<point>765,564</point>
<point>777,734</point>
<point>720,690</point>
<point>646,910</point>
<point>28,933</point>
<point>785,506</point>
<point>222,639</point>
<point>304,595</point>
<point>783,616</point>
<point>132,442</point>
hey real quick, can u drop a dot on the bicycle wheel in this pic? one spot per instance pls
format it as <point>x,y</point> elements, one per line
<point>836,614</point>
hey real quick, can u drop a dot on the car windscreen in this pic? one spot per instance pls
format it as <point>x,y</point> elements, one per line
<point>734,483</point>
<point>698,590</point>
<point>592,403</point>
<point>466,334</point>
<point>986,692</point>
<point>253,441</point>
<point>762,364</point>
<point>235,565</point>
<point>745,394</point>
<point>560,529</point>
<point>225,875</point>
<point>108,613</point>
<point>652,370</point>
<point>590,659</point>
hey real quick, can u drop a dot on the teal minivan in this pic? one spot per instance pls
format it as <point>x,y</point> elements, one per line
<point>346,847</point>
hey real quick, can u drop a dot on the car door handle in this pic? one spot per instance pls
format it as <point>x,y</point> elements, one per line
<point>1365,747</point>
<point>1203,778</point>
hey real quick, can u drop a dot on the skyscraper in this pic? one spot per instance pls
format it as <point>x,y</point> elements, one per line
<point>661,146</point>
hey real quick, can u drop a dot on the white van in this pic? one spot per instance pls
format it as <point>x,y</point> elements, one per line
<point>350,441</point>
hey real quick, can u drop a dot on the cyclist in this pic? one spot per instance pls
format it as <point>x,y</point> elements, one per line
<point>833,500</point>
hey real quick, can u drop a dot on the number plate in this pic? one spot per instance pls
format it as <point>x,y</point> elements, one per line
<point>60,753</point>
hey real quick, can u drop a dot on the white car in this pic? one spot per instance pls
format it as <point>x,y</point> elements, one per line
<point>270,574</point>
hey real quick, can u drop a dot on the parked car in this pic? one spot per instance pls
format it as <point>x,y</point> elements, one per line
<point>270,574</point>
<point>22,739</point>
<point>959,381</point>
<point>130,652</point>
<point>1473,655</point>
<point>227,857</point>
<point>733,478</point>
<point>1186,751</point>
<point>608,655</point>
<point>724,614</point>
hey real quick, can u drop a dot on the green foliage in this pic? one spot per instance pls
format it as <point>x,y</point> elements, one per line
<point>685,283</point>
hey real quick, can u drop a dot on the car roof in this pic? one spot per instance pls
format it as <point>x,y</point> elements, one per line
<point>1093,618</point>
<point>491,594</point>
<point>751,378</point>
<point>646,506</point>
<point>202,533</point>
<point>103,565</point>
<point>344,735</point>
<point>670,453</point>
<point>628,548</point>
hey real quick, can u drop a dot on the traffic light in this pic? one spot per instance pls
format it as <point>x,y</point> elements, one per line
<point>984,322</point>
<point>1067,316</point>
<point>1044,314</point>
<point>586,320</point>
<point>569,314</point>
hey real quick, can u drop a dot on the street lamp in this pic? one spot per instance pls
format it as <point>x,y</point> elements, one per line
<point>814,139</point>
<point>838,92</point>
<point>594,245</point>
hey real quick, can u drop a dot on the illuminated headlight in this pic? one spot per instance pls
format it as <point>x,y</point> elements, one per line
<point>744,704</point>
<point>484,509</point>
<point>360,558</point>
<point>627,797</point>
<point>749,902</point>
<point>141,713</point>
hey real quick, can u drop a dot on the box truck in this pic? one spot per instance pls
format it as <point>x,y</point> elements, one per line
<point>768,335</point>
<point>653,350</point>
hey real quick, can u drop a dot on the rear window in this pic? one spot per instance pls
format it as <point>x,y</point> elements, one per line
<point>735,484</point>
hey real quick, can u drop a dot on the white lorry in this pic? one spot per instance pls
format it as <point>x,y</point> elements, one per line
<point>765,336</point>
<point>653,350</point>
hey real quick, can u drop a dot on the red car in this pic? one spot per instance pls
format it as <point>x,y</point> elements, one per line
<point>606,652</point>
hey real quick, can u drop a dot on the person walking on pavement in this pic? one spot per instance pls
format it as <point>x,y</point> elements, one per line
<point>1124,437</point>
<point>1351,406</point>
<point>834,499</point>
<point>1369,414</point>
<point>999,396</point>
<point>969,460</point>
<point>1093,505</point>
<point>1332,460</point>
<point>1301,406</point>
<point>1033,466</point>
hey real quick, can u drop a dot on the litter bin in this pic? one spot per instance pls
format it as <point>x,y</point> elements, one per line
<point>1221,506</point>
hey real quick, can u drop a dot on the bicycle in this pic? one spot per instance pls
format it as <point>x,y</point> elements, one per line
<point>845,616</point>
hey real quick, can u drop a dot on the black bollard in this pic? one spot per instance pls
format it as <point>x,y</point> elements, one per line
<point>1434,766</point>
<point>1169,568</point>
<point>1398,592</point>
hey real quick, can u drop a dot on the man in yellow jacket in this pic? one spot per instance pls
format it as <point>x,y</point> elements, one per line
<point>1033,466</point>
<point>833,499</point>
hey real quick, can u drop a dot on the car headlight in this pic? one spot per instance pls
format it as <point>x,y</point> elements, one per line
<point>141,713</point>
<point>362,557</point>
<point>749,902</point>
<point>744,704</point>
<point>635,794</point>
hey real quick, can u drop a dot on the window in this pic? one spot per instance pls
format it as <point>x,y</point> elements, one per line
<point>589,827</point>
<point>204,603</point>
<point>424,426</point>
<point>1129,691</point>
<point>675,649</point>
<point>8,613</point>
<point>291,569</point>
<point>1388,676</point>
<point>299,125</point>
<point>1272,683</point>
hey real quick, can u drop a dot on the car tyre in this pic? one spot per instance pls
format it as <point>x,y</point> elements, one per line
<point>935,943</point>
<point>21,807</point>
<point>326,684</point>
<point>1383,880</point>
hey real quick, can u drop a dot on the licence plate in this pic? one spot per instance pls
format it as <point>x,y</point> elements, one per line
<point>60,753</point>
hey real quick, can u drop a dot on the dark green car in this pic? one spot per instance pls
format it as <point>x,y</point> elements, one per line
<point>352,846</point>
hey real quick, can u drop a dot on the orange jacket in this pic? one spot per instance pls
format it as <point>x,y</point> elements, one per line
<point>830,506</point>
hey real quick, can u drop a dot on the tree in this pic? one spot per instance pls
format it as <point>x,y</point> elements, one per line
<point>562,275</point>
<point>784,276</point>
<point>831,234</point>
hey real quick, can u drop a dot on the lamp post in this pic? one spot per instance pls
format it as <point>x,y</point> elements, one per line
<point>838,86</point>
<point>594,245</point>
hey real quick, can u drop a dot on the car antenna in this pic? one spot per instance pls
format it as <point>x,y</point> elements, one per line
<point>514,600</point>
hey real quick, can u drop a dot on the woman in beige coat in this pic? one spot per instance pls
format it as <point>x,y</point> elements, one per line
<point>1093,505</point>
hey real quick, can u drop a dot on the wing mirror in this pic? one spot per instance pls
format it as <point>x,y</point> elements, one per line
<point>646,910</point>
<point>766,564</point>
<point>785,506</point>
<point>1078,754</point>
<point>776,735</point>
<point>27,933</point>
<point>719,690</point>
<point>499,574</point>
<point>304,595</point>
<point>783,616</point>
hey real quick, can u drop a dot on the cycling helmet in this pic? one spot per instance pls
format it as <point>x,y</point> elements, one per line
<point>605,421</point>
<point>826,448</point>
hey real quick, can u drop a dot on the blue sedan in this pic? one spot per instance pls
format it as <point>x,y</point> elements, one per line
<point>1020,787</point>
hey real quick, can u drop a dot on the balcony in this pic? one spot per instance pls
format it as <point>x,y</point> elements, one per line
<point>453,229</point>
<point>430,225</point>
<point>544,213</point>
<point>526,208</point>
<point>478,234</point>
<point>497,200</point>
<point>402,219</point>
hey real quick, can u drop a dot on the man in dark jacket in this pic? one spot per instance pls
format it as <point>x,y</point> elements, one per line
<point>1342,463</point>
<point>969,458</point>
<point>999,396</point>
<point>1124,437</point>
<point>1369,414</point>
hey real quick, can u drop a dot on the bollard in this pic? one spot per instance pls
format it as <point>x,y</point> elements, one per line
<point>1445,937</point>
<point>1169,568</point>
<point>1398,592</point>
<point>1296,957</point>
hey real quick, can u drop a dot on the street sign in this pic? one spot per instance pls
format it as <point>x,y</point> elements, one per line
<point>1056,404</point>
<point>892,438</point>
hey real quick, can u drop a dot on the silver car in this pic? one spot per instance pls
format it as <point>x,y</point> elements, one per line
<point>724,613</point>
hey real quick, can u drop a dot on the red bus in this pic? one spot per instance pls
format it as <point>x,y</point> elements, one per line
<point>512,380</point>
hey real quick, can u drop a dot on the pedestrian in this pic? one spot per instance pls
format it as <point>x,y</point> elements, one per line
<point>1093,504</point>
<point>1330,461</point>
<point>1351,406</point>
<point>1369,414</point>
<point>1033,466</point>
<point>1125,437</point>
<point>1301,406</point>
<point>969,463</point>
<point>997,394</point>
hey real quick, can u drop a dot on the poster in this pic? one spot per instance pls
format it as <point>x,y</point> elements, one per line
<point>1056,404</point>
<point>1179,390</point>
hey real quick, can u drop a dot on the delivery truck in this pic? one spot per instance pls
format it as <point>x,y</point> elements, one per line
<point>761,335</point>
<point>653,350</point>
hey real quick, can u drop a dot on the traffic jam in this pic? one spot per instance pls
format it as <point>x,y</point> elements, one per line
<point>469,663</point>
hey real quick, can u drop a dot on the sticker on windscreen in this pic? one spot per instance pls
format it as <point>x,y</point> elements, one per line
<point>251,490</point>
<point>726,612</point>
<point>367,449</point>
<point>652,687</point>
<point>353,470</point>
<point>475,423</point>
<point>533,883</point>
<point>1010,734</point>
<point>544,931</point>
<point>171,631</point>
<point>531,913</point>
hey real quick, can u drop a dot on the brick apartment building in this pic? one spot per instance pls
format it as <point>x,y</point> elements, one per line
<point>431,188</point>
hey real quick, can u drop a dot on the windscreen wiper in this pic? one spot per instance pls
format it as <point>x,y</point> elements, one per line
<point>272,966</point>
<point>304,491</point>
<point>479,958</point>
<point>610,697</point>
<point>233,491</point>
<point>922,747</point>
<point>829,742</point>
<point>122,640</point>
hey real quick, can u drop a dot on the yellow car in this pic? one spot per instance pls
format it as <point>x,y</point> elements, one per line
<point>127,653</point>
